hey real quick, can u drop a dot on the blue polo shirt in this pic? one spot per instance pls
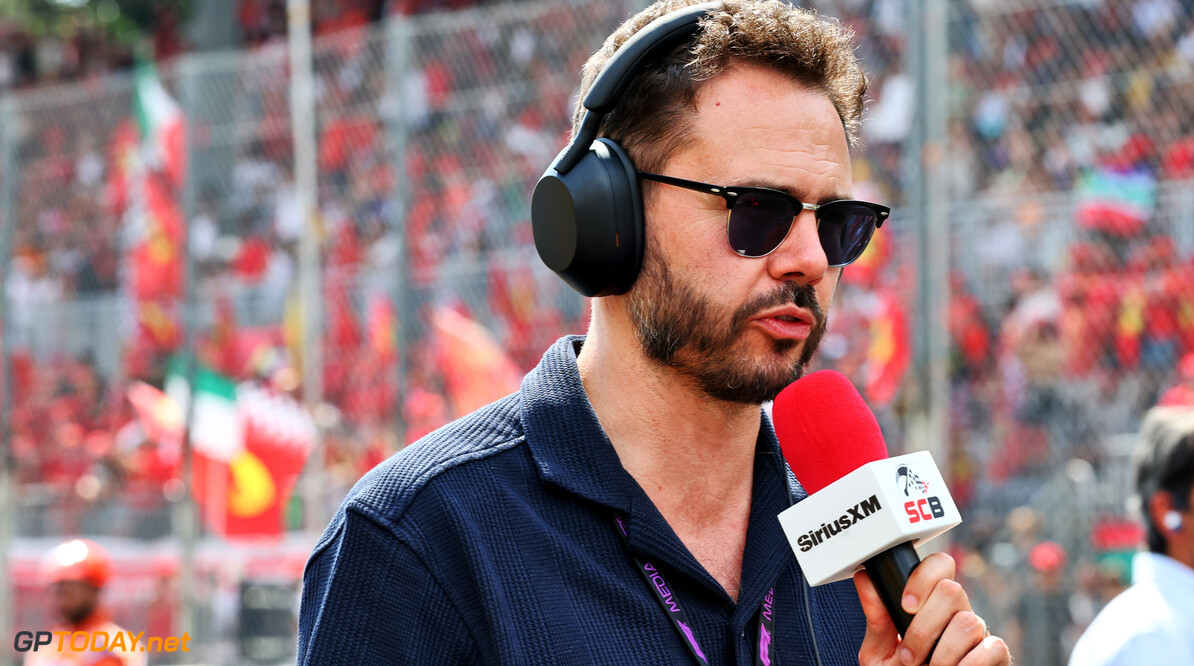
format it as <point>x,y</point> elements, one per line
<point>492,540</point>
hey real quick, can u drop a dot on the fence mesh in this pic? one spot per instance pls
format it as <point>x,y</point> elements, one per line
<point>430,130</point>
<point>1068,166</point>
<point>1067,161</point>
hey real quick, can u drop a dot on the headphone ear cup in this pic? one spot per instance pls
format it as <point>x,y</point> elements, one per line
<point>1173,520</point>
<point>588,222</point>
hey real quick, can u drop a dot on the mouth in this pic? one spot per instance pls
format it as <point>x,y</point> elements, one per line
<point>786,324</point>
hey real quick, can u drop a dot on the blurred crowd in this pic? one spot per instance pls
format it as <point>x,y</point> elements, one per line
<point>1067,163</point>
<point>481,111</point>
<point>1068,150</point>
<point>80,48</point>
<point>1067,153</point>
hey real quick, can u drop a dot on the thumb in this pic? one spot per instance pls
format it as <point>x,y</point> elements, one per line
<point>882,640</point>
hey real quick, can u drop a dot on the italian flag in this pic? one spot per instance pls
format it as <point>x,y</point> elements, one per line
<point>161,125</point>
<point>155,225</point>
<point>249,443</point>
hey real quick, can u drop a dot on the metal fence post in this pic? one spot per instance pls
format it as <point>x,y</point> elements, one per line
<point>8,118</point>
<point>923,159</point>
<point>398,63</point>
<point>302,116</point>
<point>188,94</point>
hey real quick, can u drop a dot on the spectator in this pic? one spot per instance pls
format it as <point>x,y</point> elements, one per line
<point>1042,614</point>
<point>1153,621</point>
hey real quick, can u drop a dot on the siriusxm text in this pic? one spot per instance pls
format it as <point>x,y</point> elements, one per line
<point>827,530</point>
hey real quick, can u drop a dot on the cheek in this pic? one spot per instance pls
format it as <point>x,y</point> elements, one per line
<point>826,289</point>
<point>693,236</point>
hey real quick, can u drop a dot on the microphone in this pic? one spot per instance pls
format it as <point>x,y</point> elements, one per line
<point>864,509</point>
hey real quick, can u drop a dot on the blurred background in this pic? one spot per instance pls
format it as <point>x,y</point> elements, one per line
<point>314,221</point>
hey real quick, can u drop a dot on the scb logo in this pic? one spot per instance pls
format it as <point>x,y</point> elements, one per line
<point>924,509</point>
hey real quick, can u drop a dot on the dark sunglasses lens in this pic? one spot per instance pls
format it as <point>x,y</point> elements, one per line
<point>845,229</point>
<point>758,223</point>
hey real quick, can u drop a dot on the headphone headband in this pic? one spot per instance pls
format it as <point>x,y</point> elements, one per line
<point>654,39</point>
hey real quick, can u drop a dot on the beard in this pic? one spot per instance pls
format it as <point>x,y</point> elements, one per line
<point>682,329</point>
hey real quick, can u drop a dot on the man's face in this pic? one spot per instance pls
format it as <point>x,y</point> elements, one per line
<point>74,600</point>
<point>723,320</point>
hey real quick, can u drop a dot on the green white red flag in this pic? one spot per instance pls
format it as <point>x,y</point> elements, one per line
<point>161,125</point>
<point>150,181</point>
<point>249,443</point>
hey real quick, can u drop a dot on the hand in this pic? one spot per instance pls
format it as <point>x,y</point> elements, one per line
<point>942,615</point>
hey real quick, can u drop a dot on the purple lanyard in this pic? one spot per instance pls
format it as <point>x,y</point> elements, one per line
<point>667,600</point>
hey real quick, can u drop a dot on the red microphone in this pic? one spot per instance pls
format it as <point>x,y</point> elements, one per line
<point>864,509</point>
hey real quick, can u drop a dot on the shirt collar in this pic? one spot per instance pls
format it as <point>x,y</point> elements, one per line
<point>571,452</point>
<point>563,434</point>
<point>1162,570</point>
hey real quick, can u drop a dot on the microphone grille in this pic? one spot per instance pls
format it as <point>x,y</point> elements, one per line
<point>825,429</point>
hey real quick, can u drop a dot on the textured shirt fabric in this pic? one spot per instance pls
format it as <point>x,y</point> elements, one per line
<point>492,541</point>
<point>1151,622</point>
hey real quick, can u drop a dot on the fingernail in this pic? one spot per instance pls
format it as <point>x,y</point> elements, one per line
<point>910,603</point>
<point>906,656</point>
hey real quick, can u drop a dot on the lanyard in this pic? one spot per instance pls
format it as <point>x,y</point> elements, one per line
<point>667,600</point>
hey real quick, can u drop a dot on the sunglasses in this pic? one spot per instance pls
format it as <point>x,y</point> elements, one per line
<point>759,219</point>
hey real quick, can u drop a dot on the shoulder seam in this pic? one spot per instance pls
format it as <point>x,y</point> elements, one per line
<point>420,483</point>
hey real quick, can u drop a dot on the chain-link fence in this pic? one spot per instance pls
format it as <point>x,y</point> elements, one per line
<point>430,132</point>
<point>1066,161</point>
<point>1069,169</point>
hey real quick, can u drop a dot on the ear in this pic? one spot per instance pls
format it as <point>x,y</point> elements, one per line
<point>1160,506</point>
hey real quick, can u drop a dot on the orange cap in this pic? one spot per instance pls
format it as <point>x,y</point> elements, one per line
<point>77,559</point>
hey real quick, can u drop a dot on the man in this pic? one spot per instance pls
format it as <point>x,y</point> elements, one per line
<point>1152,622</point>
<point>76,572</point>
<point>517,535</point>
<point>1042,614</point>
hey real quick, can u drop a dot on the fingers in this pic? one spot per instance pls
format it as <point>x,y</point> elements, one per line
<point>992,651</point>
<point>936,567</point>
<point>943,622</point>
<point>933,617</point>
<point>881,639</point>
<point>964,632</point>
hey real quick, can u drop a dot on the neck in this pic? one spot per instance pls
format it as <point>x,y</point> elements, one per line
<point>691,454</point>
<point>1181,553</point>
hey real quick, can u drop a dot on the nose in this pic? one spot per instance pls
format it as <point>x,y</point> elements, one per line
<point>800,257</point>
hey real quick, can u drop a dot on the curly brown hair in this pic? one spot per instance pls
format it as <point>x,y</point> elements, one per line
<point>653,117</point>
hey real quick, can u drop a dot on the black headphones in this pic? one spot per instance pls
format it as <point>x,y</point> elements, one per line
<point>587,212</point>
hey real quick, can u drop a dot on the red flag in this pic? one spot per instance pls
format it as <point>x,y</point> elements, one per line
<point>249,444</point>
<point>260,478</point>
<point>383,329</point>
<point>158,260</point>
<point>889,354</point>
<point>1130,325</point>
<point>476,370</point>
